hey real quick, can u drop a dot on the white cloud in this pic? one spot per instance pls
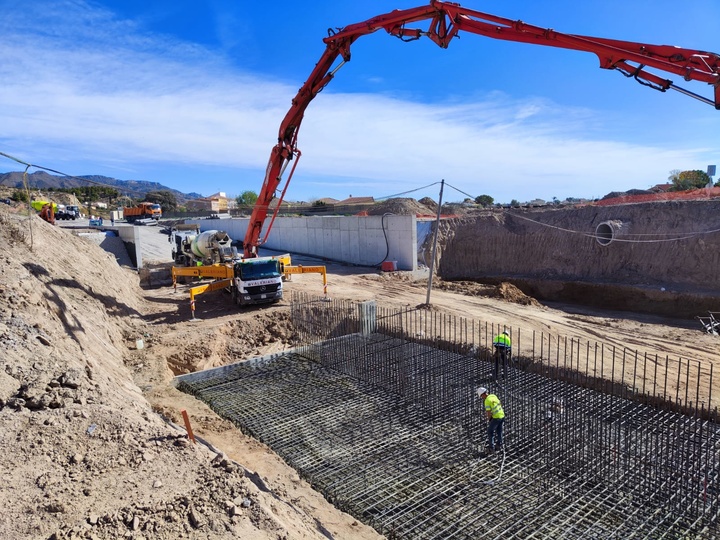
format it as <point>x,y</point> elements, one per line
<point>81,86</point>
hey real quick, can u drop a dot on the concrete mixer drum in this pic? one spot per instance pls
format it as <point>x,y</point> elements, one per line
<point>212,247</point>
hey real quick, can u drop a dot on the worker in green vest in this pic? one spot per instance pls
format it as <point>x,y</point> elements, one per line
<point>496,418</point>
<point>503,350</point>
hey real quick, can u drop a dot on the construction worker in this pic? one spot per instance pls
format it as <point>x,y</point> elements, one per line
<point>496,419</point>
<point>503,351</point>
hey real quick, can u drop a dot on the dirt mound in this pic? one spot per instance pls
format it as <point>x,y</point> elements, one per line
<point>429,203</point>
<point>83,453</point>
<point>399,206</point>
<point>187,352</point>
<point>503,291</point>
<point>510,293</point>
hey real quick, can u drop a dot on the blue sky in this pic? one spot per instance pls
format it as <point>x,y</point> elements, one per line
<point>191,93</point>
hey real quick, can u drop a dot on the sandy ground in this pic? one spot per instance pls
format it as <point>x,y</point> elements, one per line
<point>86,455</point>
<point>216,315</point>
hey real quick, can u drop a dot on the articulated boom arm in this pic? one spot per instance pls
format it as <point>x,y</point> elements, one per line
<point>446,20</point>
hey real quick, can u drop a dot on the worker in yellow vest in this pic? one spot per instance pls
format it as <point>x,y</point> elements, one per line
<point>503,350</point>
<point>496,417</point>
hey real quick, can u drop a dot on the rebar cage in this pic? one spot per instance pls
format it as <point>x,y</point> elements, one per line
<point>377,409</point>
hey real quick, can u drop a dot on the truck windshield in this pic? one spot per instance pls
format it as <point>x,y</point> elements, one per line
<point>155,207</point>
<point>258,270</point>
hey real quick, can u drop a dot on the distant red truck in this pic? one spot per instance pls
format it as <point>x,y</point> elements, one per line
<point>144,210</point>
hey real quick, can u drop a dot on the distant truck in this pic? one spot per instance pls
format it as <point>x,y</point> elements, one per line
<point>67,212</point>
<point>143,210</point>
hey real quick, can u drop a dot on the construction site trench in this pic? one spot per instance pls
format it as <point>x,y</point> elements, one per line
<point>386,424</point>
<point>612,424</point>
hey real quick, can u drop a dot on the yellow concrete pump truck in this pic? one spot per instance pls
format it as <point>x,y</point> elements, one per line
<point>210,254</point>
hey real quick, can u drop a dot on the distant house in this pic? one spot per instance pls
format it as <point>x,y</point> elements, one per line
<point>215,203</point>
<point>661,188</point>
<point>356,200</point>
<point>326,200</point>
<point>537,202</point>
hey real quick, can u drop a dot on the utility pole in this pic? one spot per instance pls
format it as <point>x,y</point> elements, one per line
<point>434,249</point>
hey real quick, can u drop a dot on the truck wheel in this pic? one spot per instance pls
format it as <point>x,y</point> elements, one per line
<point>234,295</point>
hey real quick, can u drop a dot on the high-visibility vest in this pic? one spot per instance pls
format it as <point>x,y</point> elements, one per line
<point>492,404</point>
<point>502,340</point>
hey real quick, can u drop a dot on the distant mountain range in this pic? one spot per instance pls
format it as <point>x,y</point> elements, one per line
<point>136,189</point>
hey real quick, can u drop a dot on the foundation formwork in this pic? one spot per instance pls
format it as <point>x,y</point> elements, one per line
<point>377,410</point>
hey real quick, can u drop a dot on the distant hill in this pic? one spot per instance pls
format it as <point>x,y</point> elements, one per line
<point>132,188</point>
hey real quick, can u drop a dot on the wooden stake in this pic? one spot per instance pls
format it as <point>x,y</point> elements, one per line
<point>187,425</point>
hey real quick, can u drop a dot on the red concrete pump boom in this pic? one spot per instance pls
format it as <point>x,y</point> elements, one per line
<point>446,19</point>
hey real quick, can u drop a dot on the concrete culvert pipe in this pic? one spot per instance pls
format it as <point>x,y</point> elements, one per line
<point>606,232</point>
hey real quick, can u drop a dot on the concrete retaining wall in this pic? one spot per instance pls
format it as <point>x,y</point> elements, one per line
<point>364,241</point>
<point>131,237</point>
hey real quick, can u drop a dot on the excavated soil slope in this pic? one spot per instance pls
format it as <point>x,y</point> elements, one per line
<point>659,258</point>
<point>83,453</point>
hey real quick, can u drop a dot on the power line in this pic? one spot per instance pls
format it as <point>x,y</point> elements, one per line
<point>406,192</point>
<point>28,165</point>
<point>683,236</point>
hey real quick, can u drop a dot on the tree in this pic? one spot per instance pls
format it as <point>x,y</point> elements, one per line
<point>514,203</point>
<point>484,200</point>
<point>166,200</point>
<point>247,198</point>
<point>124,200</point>
<point>684,180</point>
<point>19,196</point>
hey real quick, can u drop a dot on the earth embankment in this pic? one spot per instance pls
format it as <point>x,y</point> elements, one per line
<point>659,258</point>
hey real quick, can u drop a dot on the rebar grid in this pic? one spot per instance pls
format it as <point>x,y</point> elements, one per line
<point>384,422</point>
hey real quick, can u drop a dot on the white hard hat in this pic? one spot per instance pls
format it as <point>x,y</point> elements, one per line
<point>482,390</point>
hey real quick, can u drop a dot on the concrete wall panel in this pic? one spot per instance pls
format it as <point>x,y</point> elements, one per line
<point>352,239</point>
